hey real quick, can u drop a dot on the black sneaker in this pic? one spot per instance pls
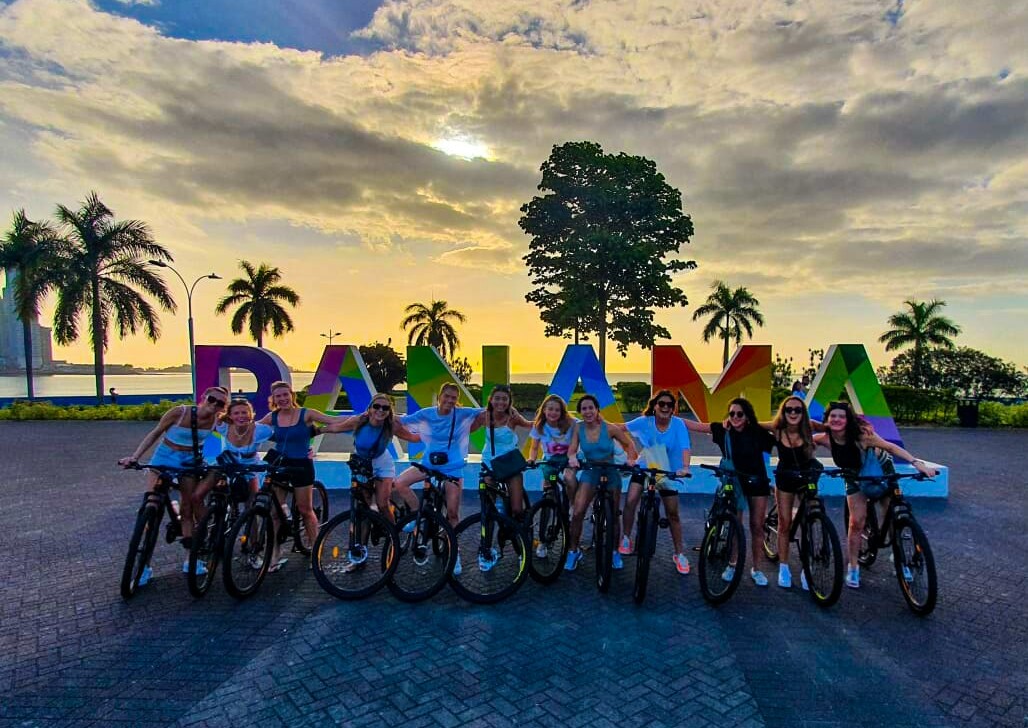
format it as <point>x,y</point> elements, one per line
<point>172,531</point>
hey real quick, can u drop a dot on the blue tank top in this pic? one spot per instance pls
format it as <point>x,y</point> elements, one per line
<point>600,451</point>
<point>369,441</point>
<point>183,436</point>
<point>293,441</point>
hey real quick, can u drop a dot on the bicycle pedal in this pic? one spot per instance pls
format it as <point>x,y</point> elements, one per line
<point>664,523</point>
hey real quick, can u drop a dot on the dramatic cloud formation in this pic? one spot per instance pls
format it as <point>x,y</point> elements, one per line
<point>853,150</point>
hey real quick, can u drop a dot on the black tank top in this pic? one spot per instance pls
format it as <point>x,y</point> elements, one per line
<point>791,458</point>
<point>846,456</point>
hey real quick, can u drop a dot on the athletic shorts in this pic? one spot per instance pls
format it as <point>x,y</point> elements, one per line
<point>169,458</point>
<point>300,473</point>
<point>662,481</point>
<point>591,476</point>
<point>754,487</point>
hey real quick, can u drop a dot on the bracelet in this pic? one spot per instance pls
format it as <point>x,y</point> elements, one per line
<point>917,460</point>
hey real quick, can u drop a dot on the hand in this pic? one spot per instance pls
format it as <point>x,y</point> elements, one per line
<point>530,463</point>
<point>682,473</point>
<point>631,462</point>
<point>726,423</point>
<point>125,462</point>
<point>572,462</point>
<point>922,467</point>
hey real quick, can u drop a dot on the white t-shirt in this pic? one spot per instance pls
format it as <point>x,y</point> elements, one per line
<point>660,449</point>
<point>554,442</point>
<point>434,429</point>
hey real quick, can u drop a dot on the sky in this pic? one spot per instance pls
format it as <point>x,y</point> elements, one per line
<point>836,157</point>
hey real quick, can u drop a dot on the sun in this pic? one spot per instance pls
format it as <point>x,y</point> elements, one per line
<point>462,147</point>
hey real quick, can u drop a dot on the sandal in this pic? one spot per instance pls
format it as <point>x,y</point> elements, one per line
<point>277,565</point>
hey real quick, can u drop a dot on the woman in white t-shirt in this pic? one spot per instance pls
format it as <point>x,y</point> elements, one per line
<point>551,436</point>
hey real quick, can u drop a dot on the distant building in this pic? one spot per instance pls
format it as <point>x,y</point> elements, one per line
<point>12,343</point>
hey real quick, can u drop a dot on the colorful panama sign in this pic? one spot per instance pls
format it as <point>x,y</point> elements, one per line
<point>846,367</point>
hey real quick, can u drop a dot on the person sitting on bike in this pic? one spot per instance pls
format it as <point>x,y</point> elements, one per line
<point>596,437</point>
<point>241,436</point>
<point>181,446</point>
<point>664,439</point>
<point>373,430</point>
<point>293,428</point>
<point>749,443</point>
<point>500,418</point>
<point>551,436</point>
<point>849,437</point>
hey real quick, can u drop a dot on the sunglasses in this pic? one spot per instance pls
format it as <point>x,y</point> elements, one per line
<point>216,401</point>
<point>838,405</point>
<point>381,407</point>
<point>665,404</point>
<point>736,413</point>
<point>793,410</point>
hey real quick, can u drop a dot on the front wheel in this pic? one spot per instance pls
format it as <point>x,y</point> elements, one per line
<point>205,552</point>
<point>549,541</point>
<point>722,558</point>
<point>248,552</point>
<point>359,571</point>
<point>426,555</point>
<point>645,547</point>
<point>319,502</point>
<point>603,538</point>
<point>141,545</point>
<point>821,554</point>
<point>915,566</point>
<point>494,557</point>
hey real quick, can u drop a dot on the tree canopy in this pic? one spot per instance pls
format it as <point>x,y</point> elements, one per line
<point>385,365</point>
<point>261,300</point>
<point>433,325</point>
<point>731,313</point>
<point>922,326</point>
<point>601,234</point>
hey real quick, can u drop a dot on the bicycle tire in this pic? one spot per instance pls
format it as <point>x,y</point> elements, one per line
<point>549,541</point>
<point>771,533</point>
<point>420,572</point>
<point>138,552</point>
<point>248,552</point>
<point>724,537</point>
<point>821,555</point>
<point>911,549</point>
<point>645,547</point>
<point>603,537</point>
<point>207,548</point>
<point>508,572</point>
<point>319,502</point>
<point>334,566</point>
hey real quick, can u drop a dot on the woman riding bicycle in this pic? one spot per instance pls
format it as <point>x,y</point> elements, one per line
<point>181,440</point>
<point>551,437</point>
<point>240,437</point>
<point>500,418</point>
<point>596,437</point>
<point>665,439</point>
<point>851,439</point>
<point>744,442</point>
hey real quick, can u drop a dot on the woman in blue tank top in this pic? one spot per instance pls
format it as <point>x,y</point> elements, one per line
<point>596,437</point>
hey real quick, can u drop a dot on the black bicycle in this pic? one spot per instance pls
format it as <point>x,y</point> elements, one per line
<point>225,502</point>
<point>496,541</point>
<point>156,503</point>
<point>649,520</point>
<point>427,544</point>
<point>251,541</point>
<point>604,513</point>
<point>814,532</point>
<point>547,523</point>
<point>354,554</point>
<point>911,553</point>
<point>723,550</point>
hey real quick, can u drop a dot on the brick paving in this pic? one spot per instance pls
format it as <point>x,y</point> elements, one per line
<point>73,653</point>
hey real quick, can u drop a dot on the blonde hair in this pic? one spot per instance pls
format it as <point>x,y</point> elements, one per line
<point>563,423</point>
<point>227,416</point>
<point>780,424</point>
<point>279,385</point>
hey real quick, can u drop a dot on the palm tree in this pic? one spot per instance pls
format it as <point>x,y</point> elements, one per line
<point>259,297</point>
<point>430,325</point>
<point>731,313</point>
<point>104,262</point>
<point>28,255</point>
<point>921,326</point>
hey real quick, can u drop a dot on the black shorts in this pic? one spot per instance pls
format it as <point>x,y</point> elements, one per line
<point>789,485</point>
<point>300,473</point>
<point>755,487</point>
<point>664,492</point>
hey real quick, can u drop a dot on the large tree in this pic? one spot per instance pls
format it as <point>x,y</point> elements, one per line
<point>104,264</point>
<point>601,235</point>
<point>261,299</point>
<point>385,365</point>
<point>731,313</point>
<point>433,325</point>
<point>29,256</point>
<point>922,326</point>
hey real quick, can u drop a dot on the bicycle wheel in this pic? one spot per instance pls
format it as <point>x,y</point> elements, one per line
<point>603,539</point>
<point>362,571</point>
<point>723,543</point>
<point>207,546</point>
<point>771,532</point>
<point>915,566</point>
<point>494,556</point>
<point>821,554</point>
<point>248,553</point>
<point>645,547</point>
<point>319,501</point>
<point>549,540</point>
<point>420,572</point>
<point>868,552</point>
<point>141,545</point>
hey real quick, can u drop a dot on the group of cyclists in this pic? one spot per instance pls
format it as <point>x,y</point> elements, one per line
<point>658,437</point>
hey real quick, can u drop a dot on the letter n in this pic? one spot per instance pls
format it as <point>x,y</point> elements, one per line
<point>748,374</point>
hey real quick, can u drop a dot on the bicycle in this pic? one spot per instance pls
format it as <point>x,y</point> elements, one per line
<point>486,535</point>
<point>604,513</point>
<point>546,521</point>
<point>155,504</point>
<point>819,545</point>
<point>229,494</point>
<point>911,552</point>
<point>254,535</point>
<point>723,550</point>
<point>354,554</point>
<point>648,521</point>
<point>427,543</point>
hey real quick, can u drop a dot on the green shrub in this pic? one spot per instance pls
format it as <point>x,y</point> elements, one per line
<point>24,410</point>
<point>1016,415</point>
<point>528,397</point>
<point>633,395</point>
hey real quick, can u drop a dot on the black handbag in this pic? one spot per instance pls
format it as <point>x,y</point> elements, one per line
<point>442,458</point>
<point>508,464</point>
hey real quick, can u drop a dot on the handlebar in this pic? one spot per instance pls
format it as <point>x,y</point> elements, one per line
<point>198,470</point>
<point>433,473</point>
<point>858,478</point>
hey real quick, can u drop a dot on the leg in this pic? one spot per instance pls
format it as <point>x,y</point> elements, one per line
<point>628,517</point>
<point>671,508</point>
<point>570,486</point>
<point>402,485</point>
<point>304,499</point>
<point>383,487</point>
<point>758,510</point>
<point>785,501</point>
<point>186,487</point>
<point>583,497</point>
<point>858,516</point>
<point>517,496</point>
<point>453,493</point>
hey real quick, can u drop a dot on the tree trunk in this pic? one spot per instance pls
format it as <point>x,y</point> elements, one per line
<point>26,331</point>
<point>98,342</point>
<point>724,355</point>
<point>603,335</point>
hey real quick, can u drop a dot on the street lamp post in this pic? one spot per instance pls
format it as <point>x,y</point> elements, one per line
<point>331,335</point>
<point>189,303</point>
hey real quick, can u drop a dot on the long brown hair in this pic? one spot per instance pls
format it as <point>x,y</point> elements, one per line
<point>651,406</point>
<point>387,424</point>
<point>780,425</point>
<point>564,423</point>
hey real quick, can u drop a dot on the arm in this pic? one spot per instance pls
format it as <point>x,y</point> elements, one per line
<point>314,415</point>
<point>481,419</point>
<point>167,420</point>
<point>821,439</point>
<point>344,425</point>
<point>573,447</point>
<point>694,426</point>
<point>621,435</point>
<point>898,452</point>
<point>400,430</point>
<point>517,420</point>
<point>686,462</point>
<point>535,447</point>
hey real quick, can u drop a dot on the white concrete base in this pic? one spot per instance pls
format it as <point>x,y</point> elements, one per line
<point>333,471</point>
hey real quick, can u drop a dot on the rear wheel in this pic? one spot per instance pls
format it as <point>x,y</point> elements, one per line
<point>425,558</point>
<point>645,547</point>
<point>141,545</point>
<point>319,501</point>
<point>248,553</point>
<point>603,540</point>
<point>549,541</point>
<point>771,532</point>
<point>208,539</point>
<point>915,566</point>
<point>821,554</point>
<point>359,572</point>
<point>494,557</point>
<point>722,558</point>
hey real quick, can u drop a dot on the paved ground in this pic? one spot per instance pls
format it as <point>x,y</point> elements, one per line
<point>73,653</point>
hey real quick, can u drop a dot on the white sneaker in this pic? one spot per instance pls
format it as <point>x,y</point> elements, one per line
<point>803,581</point>
<point>758,577</point>
<point>540,551</point>
<point>784,576</point>
<point>457,570</point>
